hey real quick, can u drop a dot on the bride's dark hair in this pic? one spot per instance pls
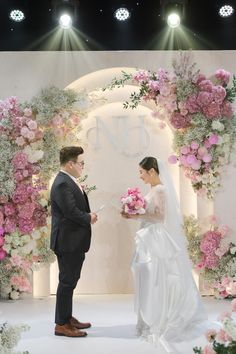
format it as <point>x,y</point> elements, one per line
<point>149,162</point>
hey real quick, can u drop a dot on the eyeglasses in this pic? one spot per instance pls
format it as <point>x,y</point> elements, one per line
<point>80,163</point>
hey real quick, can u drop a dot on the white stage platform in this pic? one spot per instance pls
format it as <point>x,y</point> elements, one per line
<point>112,317</point>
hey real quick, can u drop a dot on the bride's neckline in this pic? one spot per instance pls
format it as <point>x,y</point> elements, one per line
<point>157,185</point>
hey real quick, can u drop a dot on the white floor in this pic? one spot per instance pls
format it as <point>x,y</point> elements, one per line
<point>113,330</point>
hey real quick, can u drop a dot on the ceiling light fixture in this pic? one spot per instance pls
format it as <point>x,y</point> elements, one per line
<point>173,11</point>
<point>122,14</point>
<point>226,10</point>
<point>17,15</point>
<point>173,20</point>
<point>65,12</point>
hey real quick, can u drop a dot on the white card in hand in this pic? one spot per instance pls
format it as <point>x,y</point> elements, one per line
<point>99,209</point>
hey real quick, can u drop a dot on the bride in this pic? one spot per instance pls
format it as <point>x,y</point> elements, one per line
<point>167,302</point>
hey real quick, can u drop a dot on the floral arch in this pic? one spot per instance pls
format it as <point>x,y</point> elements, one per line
<point>32,133</point>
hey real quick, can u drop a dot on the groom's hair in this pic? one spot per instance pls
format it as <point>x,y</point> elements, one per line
<point>70,153</point>
<point>149,162</point>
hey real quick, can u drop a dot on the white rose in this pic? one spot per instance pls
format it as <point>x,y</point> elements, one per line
<point>14,295</point>
<point>218,125</point>
<point>233,250</point>
<point>36,235</point>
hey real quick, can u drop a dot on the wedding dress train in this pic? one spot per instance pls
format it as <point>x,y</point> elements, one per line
<point>167,301</point>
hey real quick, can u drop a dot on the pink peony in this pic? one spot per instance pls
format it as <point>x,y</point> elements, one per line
<point>178,121</point>
<point>26,225</point>
<point>192,104</point>
<point>212,110</point>
<point>204,98</point>
<point>205,85</point>
<point>210,242</point>
<point>219,94</point>
<point>223,76</point>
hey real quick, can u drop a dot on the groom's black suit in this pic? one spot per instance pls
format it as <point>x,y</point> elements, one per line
<point>70,239</point>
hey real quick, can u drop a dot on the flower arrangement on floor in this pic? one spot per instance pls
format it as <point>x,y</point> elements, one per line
<point>222,341</point>
<point>213,255</point>
<point>31,135</point>
<point>133,202</point>
<point>200,113</point>
<point>10,336</point>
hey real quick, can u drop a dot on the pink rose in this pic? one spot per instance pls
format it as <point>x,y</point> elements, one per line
<point>208,350</point>
<point>202,151</point>
<point>207,158</point>
<point>32,124</point>
<point>196,165</point>
<point>185,149</point>
<point>194,145</point>
<point>223,76</point>
<point>213,139</point>
<point>222,336</point>
<point>190,159</point>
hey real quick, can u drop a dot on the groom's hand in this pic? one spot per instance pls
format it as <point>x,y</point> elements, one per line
<point>94,218</point>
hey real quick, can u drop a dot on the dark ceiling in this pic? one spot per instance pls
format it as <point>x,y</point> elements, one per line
<point>97,29</point>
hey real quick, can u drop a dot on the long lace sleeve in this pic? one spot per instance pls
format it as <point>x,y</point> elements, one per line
<point>156,211</point>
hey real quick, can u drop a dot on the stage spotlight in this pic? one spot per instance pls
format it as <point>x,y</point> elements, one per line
<point>173,20</point>
<point>17,15</point>
<point>226,10</point>
<point>65,12</point>
<point>122,14</point>
<point>173,11</point>
<point>65,21</point>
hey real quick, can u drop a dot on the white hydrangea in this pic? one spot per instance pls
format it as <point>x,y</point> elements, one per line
<point>217,125</point>
<point>233,250</point>
<point>33,155</point>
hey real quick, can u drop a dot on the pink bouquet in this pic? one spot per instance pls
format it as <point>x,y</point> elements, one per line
<point>133,202</point>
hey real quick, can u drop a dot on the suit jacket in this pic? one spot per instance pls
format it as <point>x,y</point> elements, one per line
<point>71,228</point>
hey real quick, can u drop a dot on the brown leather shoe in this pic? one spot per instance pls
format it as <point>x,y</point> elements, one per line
<point>68,330</point>
<point>79,325</point>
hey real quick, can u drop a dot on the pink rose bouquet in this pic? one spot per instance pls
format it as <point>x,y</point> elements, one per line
<point>133,202</point>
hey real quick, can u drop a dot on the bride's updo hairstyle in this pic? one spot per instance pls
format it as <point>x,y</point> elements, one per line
<point>149,162</point>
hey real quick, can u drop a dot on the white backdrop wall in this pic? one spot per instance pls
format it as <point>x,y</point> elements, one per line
<point>23,74</point>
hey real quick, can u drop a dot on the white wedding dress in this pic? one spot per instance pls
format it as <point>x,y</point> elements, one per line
<point>167,301</point>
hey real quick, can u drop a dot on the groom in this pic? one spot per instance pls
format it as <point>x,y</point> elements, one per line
<point>70,237</point>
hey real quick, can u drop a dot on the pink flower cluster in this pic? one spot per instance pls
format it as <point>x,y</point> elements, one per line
<point>221,336</point>
<point>212,248</point>
<point>226,287</point>
<point>209,99</point>
<point>133,202</point>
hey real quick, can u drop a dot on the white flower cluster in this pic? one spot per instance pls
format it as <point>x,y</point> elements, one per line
<point>10,336</point>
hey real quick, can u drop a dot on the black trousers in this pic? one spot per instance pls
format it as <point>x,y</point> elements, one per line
<point>70,265</point>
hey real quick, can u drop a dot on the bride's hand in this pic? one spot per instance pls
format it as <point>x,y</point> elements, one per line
<point>128,216</point>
